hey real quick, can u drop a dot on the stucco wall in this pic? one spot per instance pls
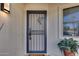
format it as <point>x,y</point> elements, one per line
<point>4,33</point>
<point>12,33</point>
<point>16,29</point>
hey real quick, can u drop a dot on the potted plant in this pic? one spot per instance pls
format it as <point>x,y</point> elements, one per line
<point>68,46</point>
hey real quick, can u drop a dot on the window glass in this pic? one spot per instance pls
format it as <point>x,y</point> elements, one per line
<point>71,21</point>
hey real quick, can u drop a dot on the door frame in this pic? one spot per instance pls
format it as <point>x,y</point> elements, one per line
<point>45,29</point>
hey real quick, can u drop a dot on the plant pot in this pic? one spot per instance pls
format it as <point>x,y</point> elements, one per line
<point>68,53</point>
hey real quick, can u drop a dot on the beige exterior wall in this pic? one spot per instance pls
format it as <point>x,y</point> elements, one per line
<point>12,33</point>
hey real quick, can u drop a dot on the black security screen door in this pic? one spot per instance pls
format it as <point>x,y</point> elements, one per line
<point>36,31</point>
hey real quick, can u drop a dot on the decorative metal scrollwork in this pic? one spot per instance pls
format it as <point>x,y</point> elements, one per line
<point>40,19</point>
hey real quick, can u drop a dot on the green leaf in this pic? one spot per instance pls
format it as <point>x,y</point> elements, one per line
<point>68,44</point>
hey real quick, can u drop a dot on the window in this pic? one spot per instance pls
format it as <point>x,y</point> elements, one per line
<point>71,21</point>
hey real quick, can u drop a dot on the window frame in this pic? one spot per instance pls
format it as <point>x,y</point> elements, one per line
<point>71,21</point>
<point>61,20</point>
